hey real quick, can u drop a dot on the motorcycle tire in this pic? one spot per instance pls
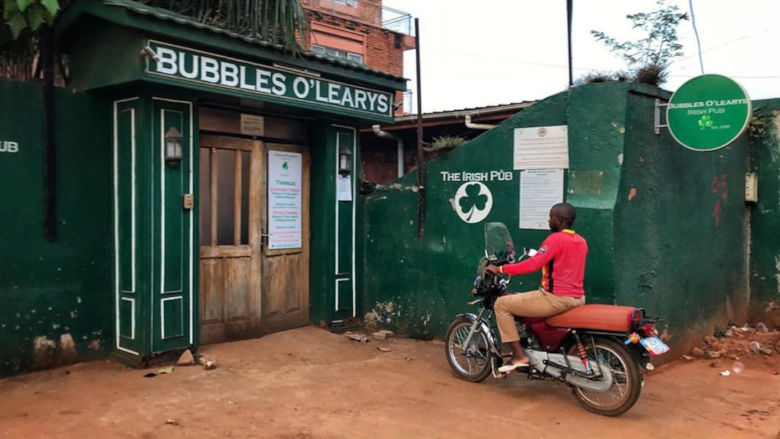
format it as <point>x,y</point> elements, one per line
<point>452,352</point>
<point>618,354</point>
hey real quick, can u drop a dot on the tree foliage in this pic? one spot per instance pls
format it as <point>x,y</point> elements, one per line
<point>19,15</point>
<point>659,47</point>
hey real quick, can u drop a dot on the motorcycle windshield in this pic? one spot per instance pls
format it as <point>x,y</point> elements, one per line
<point>498,243</point>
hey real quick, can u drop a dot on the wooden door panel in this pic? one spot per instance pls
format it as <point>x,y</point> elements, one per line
<point>211,303</point>
<point>286,271</point>
<point>230,255</point>
<point>237,286</point>
<point>294,282</point>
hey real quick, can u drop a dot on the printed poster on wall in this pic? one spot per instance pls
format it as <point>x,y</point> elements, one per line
<point>541,148</point>
<point>284,199</point>
<point>540,190</point>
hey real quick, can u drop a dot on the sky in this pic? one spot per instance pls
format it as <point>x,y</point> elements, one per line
<point>490,52</point>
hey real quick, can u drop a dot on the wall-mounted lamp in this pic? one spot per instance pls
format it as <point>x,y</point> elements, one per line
<point>173,149</point>
<point>345,161</point>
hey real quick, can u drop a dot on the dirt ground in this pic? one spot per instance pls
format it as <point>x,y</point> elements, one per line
<point>309,383</point>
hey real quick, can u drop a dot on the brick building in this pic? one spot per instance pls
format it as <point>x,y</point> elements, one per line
<point>360,31</point>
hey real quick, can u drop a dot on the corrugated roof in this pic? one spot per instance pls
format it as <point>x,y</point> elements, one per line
<point>474,111</point>
<point>164,14</point>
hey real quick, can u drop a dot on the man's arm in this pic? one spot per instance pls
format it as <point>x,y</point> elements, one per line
<point>533,264</point>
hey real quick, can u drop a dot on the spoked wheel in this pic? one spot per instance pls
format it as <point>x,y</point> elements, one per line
<point>626,378</point>
<point>473,362</point>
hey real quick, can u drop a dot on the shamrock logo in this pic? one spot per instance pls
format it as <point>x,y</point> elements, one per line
<point>705,122</point>
<point>285,166</point>
<point>473,202</point>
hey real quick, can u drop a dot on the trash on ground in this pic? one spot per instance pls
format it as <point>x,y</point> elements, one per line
<point>762,327</point>
<point>725,373</point>
<point>687,358</point>
<point>409,358</point>
<point>354,336</point>
<point>165,370</point>
<point>384,349</point>
<point>755,347</point>
<point>186,359</point>
<point>382,335</point>
<point>207,364</point>
<point>172,422</point>
<point>738,367</point>
<point>711,354</point>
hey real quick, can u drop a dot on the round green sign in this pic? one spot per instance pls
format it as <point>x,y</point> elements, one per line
<point>708,112</point>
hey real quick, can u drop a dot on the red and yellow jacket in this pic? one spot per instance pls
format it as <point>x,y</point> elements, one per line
<point>562,261</point>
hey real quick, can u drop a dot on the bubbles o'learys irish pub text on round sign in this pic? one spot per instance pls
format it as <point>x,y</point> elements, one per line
<point>708,112</point>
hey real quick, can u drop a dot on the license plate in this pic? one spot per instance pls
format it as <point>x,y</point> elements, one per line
<point>654,345</point>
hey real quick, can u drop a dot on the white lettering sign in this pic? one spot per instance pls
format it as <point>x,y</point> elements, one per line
<point>8,146</point>
<point>284,199</point>
<point>247,77</point>
<point>499,175</point>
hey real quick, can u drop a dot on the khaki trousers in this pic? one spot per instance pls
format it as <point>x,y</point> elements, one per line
<point>538,303</point>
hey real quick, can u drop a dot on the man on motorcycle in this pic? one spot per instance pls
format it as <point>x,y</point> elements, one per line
<point>562,261</point>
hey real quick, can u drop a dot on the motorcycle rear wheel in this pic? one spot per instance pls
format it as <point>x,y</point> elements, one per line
<point>627,379</point>
<point>474,365</point>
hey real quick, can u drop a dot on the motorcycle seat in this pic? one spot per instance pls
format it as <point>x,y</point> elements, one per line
<point>608,318</point>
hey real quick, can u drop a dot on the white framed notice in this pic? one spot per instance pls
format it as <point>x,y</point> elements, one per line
<point>344,187</point>
<point>542,148</point>
<point>540,189</point>
<point>285,171</point>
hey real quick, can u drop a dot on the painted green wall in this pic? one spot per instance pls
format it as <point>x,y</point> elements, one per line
<point>650,251</point>
<point>54,292</point>
<point>765,224</point>
<point>681,229</point>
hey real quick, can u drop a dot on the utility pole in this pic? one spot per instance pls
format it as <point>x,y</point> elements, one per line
<point>420,153</point>
<point>569,7</point>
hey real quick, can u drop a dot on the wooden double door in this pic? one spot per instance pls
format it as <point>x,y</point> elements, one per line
<point>254,257</point>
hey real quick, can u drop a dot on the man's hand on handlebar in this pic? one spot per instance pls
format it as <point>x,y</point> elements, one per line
<point>492,269</point>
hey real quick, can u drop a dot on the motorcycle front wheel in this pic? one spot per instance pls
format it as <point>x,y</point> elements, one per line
<point>472,362</point>
<point>626,378</point>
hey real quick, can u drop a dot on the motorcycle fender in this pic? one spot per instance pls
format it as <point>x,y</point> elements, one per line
<point>484,326</point>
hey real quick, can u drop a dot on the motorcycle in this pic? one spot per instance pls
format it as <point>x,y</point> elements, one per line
<point>596,350</point>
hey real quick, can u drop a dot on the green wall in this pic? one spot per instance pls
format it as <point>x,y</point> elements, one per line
<point>765,242</point>
<point>681,229</point>
<point>661,250</point>
<point>54,296</point>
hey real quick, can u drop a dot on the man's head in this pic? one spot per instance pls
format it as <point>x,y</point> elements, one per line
<point>562,217</point>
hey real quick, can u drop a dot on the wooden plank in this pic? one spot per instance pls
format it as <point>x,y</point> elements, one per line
<point>226,251</point>
<point>211,304</point>
<point>237,289</point>
<point>214,201</point>
<point>224,142</point>
<point>237,199</point>
<point>256,221</point>
<point>226,121</point>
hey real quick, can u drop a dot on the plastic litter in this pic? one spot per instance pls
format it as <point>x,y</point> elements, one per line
<point>738,367</point>
<point>762,327</point>
<point>725,373</point>
<point>755,347</point>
